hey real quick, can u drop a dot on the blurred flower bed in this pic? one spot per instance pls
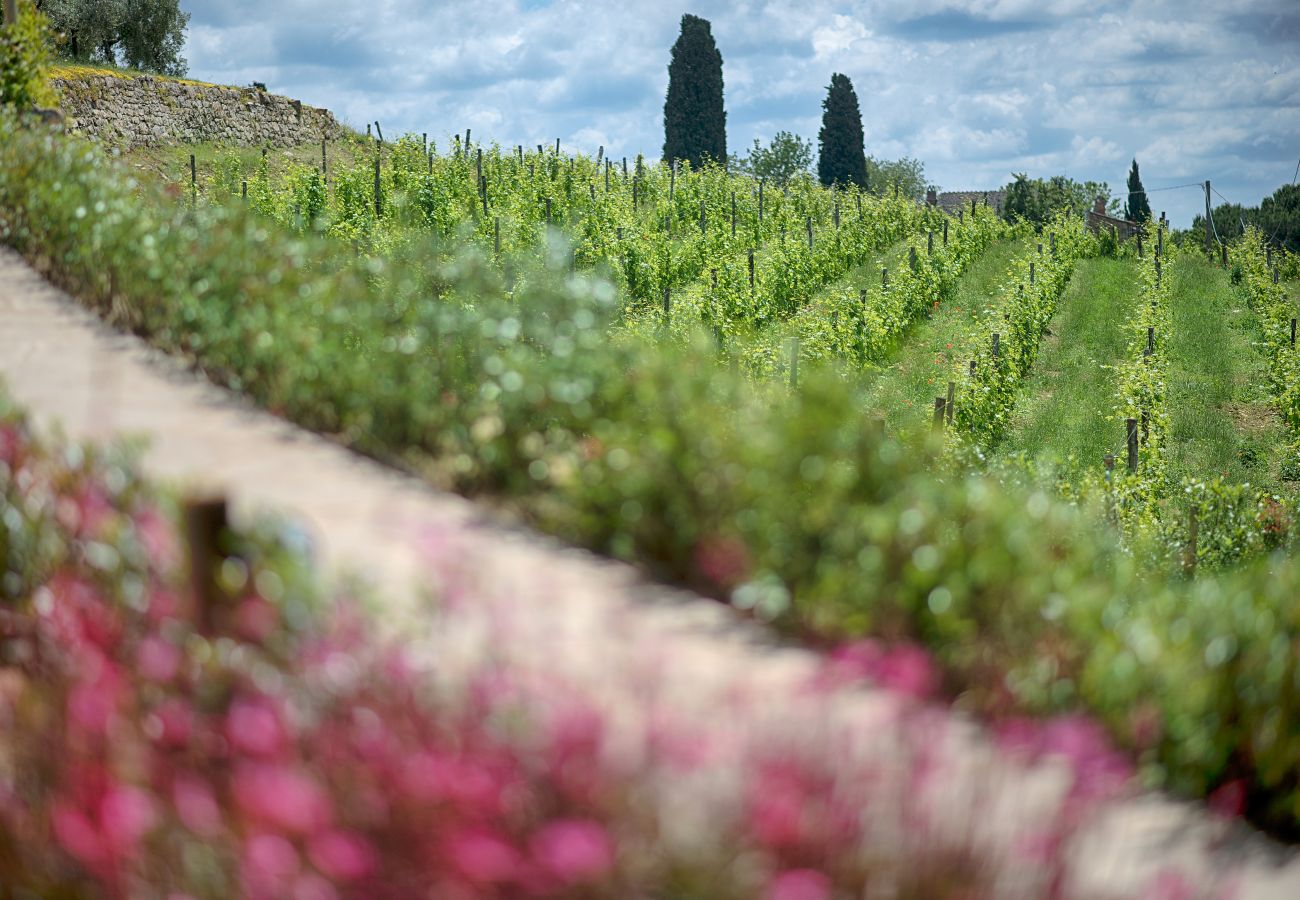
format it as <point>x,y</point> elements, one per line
<point>285,750</point>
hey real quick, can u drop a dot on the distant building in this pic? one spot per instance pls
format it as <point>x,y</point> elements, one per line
<point>1098,219</point>
<point>952,201</point>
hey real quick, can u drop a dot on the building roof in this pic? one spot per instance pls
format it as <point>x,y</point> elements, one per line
<point>951,201</point>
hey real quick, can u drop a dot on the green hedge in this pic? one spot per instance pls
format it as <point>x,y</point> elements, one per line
<point>786,503</point>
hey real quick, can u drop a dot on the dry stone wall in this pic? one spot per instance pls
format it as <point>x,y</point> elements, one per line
<point>141,110</point>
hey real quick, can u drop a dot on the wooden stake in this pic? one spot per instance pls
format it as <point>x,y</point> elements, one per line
<point>939,404</point>
<point>1131,427</point>
<point>949,404</point>
<point>205,522</point>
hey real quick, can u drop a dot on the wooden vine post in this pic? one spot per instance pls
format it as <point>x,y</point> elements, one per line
<point>1131,427</point>
<point>11,12</point>
<point>205,520</point>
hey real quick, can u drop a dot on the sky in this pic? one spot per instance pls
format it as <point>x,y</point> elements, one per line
<point>975,89</point>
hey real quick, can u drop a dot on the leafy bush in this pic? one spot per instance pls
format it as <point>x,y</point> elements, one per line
<point>24,55</point>
<point>786,503</point>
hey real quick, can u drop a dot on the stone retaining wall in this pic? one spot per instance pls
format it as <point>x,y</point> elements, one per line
<point>140,110</point>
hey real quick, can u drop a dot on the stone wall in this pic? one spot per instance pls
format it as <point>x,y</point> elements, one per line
<point>140,110</point>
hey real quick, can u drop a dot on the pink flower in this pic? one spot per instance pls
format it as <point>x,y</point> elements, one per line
<point>158,659</point>
<point>909,670</point>
<point>281,797</point>
<point>256,619</point>
<point>176,721</point>
<point>196,805</point>
<point>1169,885</point>
<point>799,884</point>
<point>78,836</point>
<point>269,865</point>
<point>905,668</point>
<point>573,850</point>
<point>158,537</point>
<point>311,886</point>
<point>126,814</point>
<point>722,559</point>
<point>341,855</point>
<point>483,857</point>
<point>10,442</point>
<point>93,703</point>
<point>253,726</point>
<point>1229,798</point>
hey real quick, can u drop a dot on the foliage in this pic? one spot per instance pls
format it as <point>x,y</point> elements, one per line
<point>1137,209</point>
<point>1037,200</point>
<point>695,122</point>
<point>143,34</point>
<point>841,159</point>
<point>24,56</point>
<point>783,159</point>
<point>907,174</point>
<point>502,380</point>
<point>1277,217</point>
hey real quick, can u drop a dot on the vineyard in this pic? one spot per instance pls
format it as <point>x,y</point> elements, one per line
<point>1064,466</point>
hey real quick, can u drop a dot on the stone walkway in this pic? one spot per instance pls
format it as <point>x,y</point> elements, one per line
<point>64,366</point>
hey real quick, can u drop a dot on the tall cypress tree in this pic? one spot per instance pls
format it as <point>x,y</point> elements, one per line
<point>1137,209</point>
<point>695,123</point>
<point>842,159</point>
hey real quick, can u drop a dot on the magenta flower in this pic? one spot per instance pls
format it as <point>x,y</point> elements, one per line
<point>341,855</point>
<point>799,884</point>
<point>78,836</point>
<point>253,726</point>
<point>196,805</point>
<point>157,659</point>
<point>270,864</point>
<point>573,850</point>
<point>126,815</point>
<point>483,857</point>
<point>281,798</point>
<point>256,619</point>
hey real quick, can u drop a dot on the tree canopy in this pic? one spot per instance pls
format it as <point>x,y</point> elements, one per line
<point>842,159</point>
<point>1277,216</point>
<point>695,122</point>
<point>1036,199</point>
<point>141,34</point>
<point>1137,209</point>
<point>907,173</point>
<point>784,158</point>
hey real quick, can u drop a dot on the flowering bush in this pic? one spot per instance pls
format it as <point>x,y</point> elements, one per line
<point>281,754</point>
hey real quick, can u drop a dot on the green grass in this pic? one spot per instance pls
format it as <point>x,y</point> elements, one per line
<point>1065,413</point>
<point>1221,420</point>
<point>917,370</point>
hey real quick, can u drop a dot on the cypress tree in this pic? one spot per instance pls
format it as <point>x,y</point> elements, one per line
<point>842,160</point>
<point>1137,209</point>
<point>695,123</point>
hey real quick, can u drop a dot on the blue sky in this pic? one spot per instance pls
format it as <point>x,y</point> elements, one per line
<point>975,89</point>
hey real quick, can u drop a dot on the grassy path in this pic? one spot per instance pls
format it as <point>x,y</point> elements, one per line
<point>917,371</point>
<point>1221,421</point>
<point>1065,405</point>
